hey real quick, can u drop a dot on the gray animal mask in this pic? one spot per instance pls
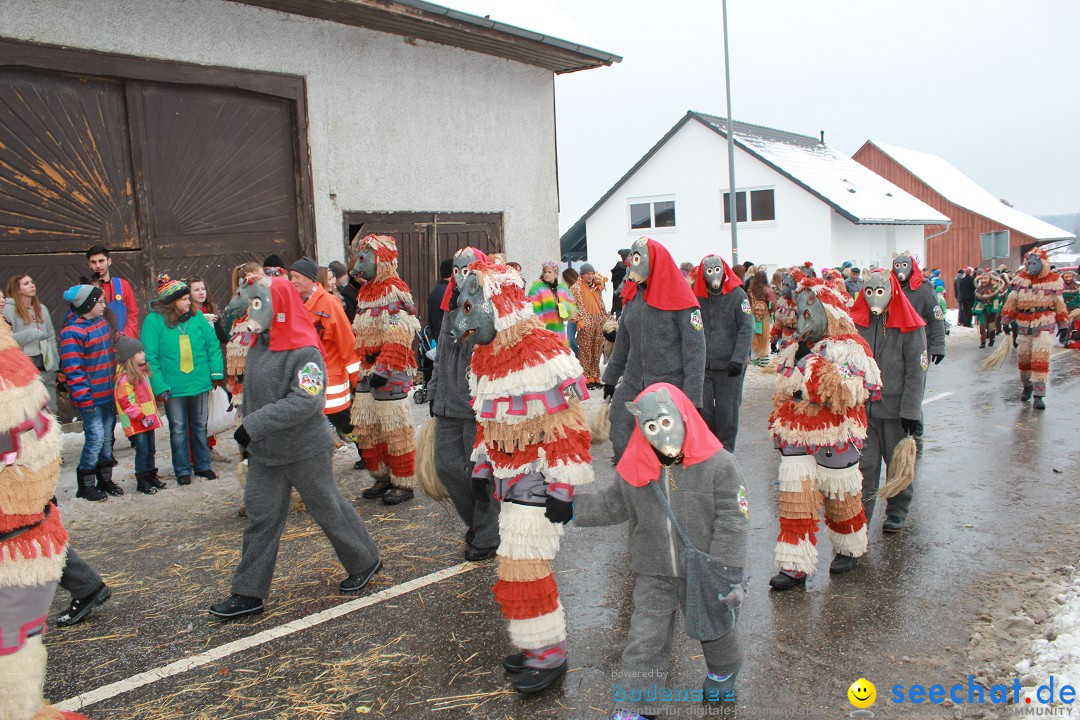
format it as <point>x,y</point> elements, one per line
<point>1033,264</point>
<point>462,259</point>
<point>474,316</point>
<point>878,291</point>
<point>254,300</point>
<point>660,421</point>
<point>639,261</point>
<point>714,273</point>
<point>366,265</point>
<point>813,322</point>
<point>787,287</point>
<point>902,265</point>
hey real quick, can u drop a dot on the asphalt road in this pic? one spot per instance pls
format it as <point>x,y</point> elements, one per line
<point>996,485</point>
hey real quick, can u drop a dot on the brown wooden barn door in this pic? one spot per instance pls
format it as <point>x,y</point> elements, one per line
<point>65,180</point>
<point>215,171</point>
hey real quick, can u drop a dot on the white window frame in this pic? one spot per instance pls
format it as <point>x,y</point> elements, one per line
<point>750,220</point>
<point>651,200</point>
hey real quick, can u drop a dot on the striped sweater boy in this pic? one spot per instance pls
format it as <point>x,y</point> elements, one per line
<point>88,361</point>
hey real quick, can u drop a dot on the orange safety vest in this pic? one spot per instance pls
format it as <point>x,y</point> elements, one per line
<point>335,332</point>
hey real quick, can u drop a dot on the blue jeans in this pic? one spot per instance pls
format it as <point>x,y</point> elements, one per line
<point>185,413</point>
<point>571,336</point>
<point>145,447</point>
<point>98,425</point>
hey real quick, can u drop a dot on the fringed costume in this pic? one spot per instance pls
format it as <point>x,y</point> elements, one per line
<point>533,439</point>
<point>33,542</point>
<point>1037,308</point>
<point>784,322</point>
<point>385,326</point>
<point>989,299</point>
<point>818,424</point>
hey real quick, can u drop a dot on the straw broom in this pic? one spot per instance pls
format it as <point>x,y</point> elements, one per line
<point>600,424</point>
<point>998,356</point>
<point>425,464</point>
<point>901,470</point>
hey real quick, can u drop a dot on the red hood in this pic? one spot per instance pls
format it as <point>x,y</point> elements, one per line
<point>639,465</point>
<point>445,304</point>
<point>674,292</point>
<point>292,327</point>
<point>731,280</point>
<point>901,314</point>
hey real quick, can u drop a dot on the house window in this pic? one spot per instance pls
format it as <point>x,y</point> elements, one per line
<point>650,214</point>
<point>762,206</point>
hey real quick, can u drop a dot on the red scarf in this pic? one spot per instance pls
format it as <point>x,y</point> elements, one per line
<point>731,280</point>
<point>667,289</point>
<point>292,327</point>
<point>901,314</point>
<point>639,465</point>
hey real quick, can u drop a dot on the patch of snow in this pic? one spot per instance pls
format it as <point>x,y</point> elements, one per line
<point>1057,652</point>
<point>961,190</point>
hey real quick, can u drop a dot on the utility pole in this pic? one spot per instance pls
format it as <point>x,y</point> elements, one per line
<point>730,150</point>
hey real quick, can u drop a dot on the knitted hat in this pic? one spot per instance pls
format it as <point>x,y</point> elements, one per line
<point>338,268</point>
<point>169,289</point>
<point>306,267</point>
<point>82,298</point>
<point>273,260</point>
<point>586,267</point>
<point>624,253</point>
<point>127,348</point>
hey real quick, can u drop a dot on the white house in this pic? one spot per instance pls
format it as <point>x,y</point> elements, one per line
<point>798,200</point>
<point>190,136</point>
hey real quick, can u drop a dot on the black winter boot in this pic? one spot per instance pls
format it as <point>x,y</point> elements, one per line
<point>105,482</point>
<point>144,483</point>
<point>1039,403</point>
<point>87,488</point>
<point>1026,394</point>
<point>155,480</point>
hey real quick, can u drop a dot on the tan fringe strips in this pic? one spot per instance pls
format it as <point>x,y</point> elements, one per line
<point>522,570</point>
<point>507,339</point>
<point>843,508</point>
<point>24,491</point>
<point>800,506</point>
<point>399,441</point>
<point>386,334</point>
<point>901,469</point>
<point>834,390</point>
<point>426,476</point>
<point>531,431</point>
<point>600,425</point>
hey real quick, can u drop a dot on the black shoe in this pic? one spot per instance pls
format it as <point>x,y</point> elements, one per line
<point>144,485</point>
<point>893,524</point>
<point>183,480</point>
<point>1039,404</point>
<point>514,663</point>
<point>359,465</point>
<point>991,341</point>
<point>470,535</point>
<point>356,583</point>
<point>842,564</point>
<point>380,488</point>
<point>237,606</point>
<point>532,680</point>
<point>476,554</point>
<point>208,474</point>
<point>1026,394</point>
<point>783,581</point>
<point>105,481</point>
<point>81,608</point>
<point>88,490</point>
<point>982,344</point>
<point>397,495</point>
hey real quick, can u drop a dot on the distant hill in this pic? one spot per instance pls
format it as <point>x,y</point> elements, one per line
<point>1070,222</point>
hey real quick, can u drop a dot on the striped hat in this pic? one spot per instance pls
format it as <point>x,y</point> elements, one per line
<point>169,289</point>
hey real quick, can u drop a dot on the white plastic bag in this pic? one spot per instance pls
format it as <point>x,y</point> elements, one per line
<point>220,415</point>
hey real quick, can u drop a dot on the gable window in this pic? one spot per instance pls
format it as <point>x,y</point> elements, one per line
<point>648,214</point>
<point>762,206</point>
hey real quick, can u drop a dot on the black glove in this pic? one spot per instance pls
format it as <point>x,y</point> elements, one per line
<point>734,369</point>
<point>1063,334</point>
<point>377,381</point>
<point>909,425</point>
<point>609,391</point>
<point>241,437</point>
<point>480,490</point>
<point>431,407</point>
<point>558,511</point>
<point>936,359</point>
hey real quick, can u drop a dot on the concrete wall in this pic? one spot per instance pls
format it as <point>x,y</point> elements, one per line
<point>394,125</point>
<point>873,245</point>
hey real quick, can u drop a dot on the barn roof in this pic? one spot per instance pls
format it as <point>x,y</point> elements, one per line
<point>961,190</point>
<point>446,26</point>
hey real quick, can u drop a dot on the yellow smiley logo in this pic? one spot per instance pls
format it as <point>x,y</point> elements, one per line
<point>862,693</point>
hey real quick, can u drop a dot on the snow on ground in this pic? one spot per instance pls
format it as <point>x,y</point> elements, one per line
<point>1057,652</point>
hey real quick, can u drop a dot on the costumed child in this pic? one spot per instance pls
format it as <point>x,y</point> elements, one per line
<point>290,445</point>
<point>818,424</point>
<point>676,485</point>
<point>532,439</point>
<point>33,541</point>
<point>385,327</point>
<point>784,317</point>
<point>661,337</point>
<point>1037,308</point>
<point>896,336</point>
<point>137,409</point>
<point>1071,295</point>
<point>729,331</point>
<point>989,299</point>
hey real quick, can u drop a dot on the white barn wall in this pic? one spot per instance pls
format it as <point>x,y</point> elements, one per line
<point>393,125</point>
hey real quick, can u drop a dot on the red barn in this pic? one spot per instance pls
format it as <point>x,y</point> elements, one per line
<point>973,210</point>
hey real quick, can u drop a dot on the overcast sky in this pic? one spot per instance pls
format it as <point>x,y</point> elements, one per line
<point>993,86</point>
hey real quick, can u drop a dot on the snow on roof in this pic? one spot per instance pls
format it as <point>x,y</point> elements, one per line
<point>961,190</point>
<point>853,190</point>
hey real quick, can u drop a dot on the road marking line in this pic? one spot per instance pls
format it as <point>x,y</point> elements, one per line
<point>231,648</point>
<point>942,396</point>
